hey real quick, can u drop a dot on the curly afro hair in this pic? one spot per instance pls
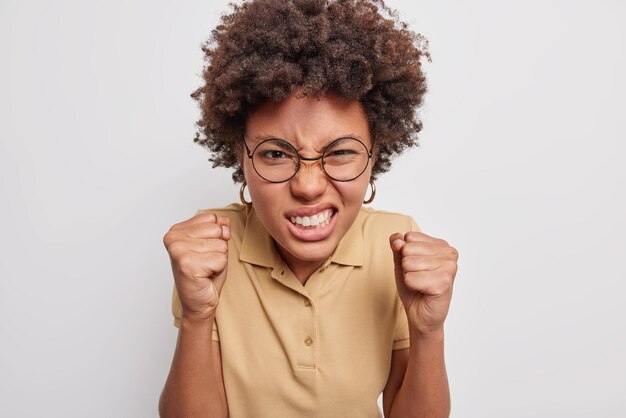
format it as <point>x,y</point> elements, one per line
<point>270,49</point>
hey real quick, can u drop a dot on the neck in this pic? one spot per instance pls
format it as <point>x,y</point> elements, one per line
<point>302,269</point>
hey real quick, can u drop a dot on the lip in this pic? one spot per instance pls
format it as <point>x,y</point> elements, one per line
<point>310,210</point>
<point>312,234</point>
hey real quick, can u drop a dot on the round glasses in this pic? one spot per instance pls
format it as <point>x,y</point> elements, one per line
<point>277,161</point>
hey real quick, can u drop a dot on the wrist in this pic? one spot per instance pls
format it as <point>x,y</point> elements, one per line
<point>193,322</point>
<point>417,335</point>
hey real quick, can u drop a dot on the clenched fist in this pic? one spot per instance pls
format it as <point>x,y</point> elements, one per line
<point>198,250</point>
<point>425,268</point>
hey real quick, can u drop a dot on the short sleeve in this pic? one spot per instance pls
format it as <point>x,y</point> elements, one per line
<point>401,333</point>
<point>177,311</point>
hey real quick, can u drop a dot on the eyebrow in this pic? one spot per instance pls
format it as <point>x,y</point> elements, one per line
<point>265,137</point>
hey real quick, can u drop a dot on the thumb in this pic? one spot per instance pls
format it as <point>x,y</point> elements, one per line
<point>224,222</point>
<point>396,242</point>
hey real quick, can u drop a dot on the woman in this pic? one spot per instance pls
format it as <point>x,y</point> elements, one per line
<point>299,301</point>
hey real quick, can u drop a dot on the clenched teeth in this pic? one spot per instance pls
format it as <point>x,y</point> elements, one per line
<point>317,220</point>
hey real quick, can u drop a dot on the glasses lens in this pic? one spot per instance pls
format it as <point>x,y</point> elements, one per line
<point>345,159</point>
<point>275,160</point>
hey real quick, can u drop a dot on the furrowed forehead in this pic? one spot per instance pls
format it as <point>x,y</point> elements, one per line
<point>308,122</point>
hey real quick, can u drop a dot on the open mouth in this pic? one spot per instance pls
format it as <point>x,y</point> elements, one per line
<point>317,220</point>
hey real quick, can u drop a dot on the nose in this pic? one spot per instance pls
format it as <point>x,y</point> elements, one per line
<point>310,182</point>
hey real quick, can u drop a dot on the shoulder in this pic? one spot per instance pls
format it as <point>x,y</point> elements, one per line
<point>376,227</point>
<point>232,210</point>
<point>236,212</point>
<point>379,221</point>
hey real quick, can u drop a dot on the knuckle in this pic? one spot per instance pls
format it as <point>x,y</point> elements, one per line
<point>167,238</point>
<point>218,262</point>
<point>170,236</point>
<point>445,285</point>
<point>207,230</point>
<point>176,248</point>
<point>409,248</point>
<point>452,266</point>
<point>175,227</point>
<point>408,263</point>
<point>185,262</point>
<point>222,259</point>
<point>410,277</point>
<point>222,246</point>
<point>207,216</point>
<point>410,236</point>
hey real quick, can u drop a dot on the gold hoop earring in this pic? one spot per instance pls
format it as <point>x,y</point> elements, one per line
<point>241,196</point>
<point>371,198</point>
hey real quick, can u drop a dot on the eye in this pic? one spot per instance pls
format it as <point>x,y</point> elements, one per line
<point>340,152</point>
<point>273,154</point>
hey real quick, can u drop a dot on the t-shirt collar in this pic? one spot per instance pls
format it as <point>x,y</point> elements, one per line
<point>349,252</point>
<point>257,246</point>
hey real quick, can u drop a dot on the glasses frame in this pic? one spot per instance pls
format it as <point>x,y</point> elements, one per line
<point>250,154</point>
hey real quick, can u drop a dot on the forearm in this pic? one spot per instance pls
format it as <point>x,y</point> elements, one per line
<point>194,388</point>
<point>424,391</point>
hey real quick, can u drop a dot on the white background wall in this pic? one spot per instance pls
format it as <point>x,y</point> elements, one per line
<point>520,168</point>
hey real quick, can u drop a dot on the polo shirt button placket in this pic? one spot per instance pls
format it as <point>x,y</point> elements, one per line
<point>306,357</point>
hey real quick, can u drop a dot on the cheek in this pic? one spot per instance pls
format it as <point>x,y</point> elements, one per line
<point>255,183</point>
<point>265,196</point>
<point>354,191</point>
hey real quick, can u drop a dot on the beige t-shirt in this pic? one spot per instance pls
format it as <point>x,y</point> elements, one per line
<point>318,350</point>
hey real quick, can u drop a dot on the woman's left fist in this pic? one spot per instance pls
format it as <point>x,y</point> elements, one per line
<point>425,268</point>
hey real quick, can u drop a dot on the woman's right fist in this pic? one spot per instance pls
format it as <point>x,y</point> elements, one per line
<point>198,250</point>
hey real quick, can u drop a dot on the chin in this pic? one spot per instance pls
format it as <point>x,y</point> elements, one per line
<point>310,252</point>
